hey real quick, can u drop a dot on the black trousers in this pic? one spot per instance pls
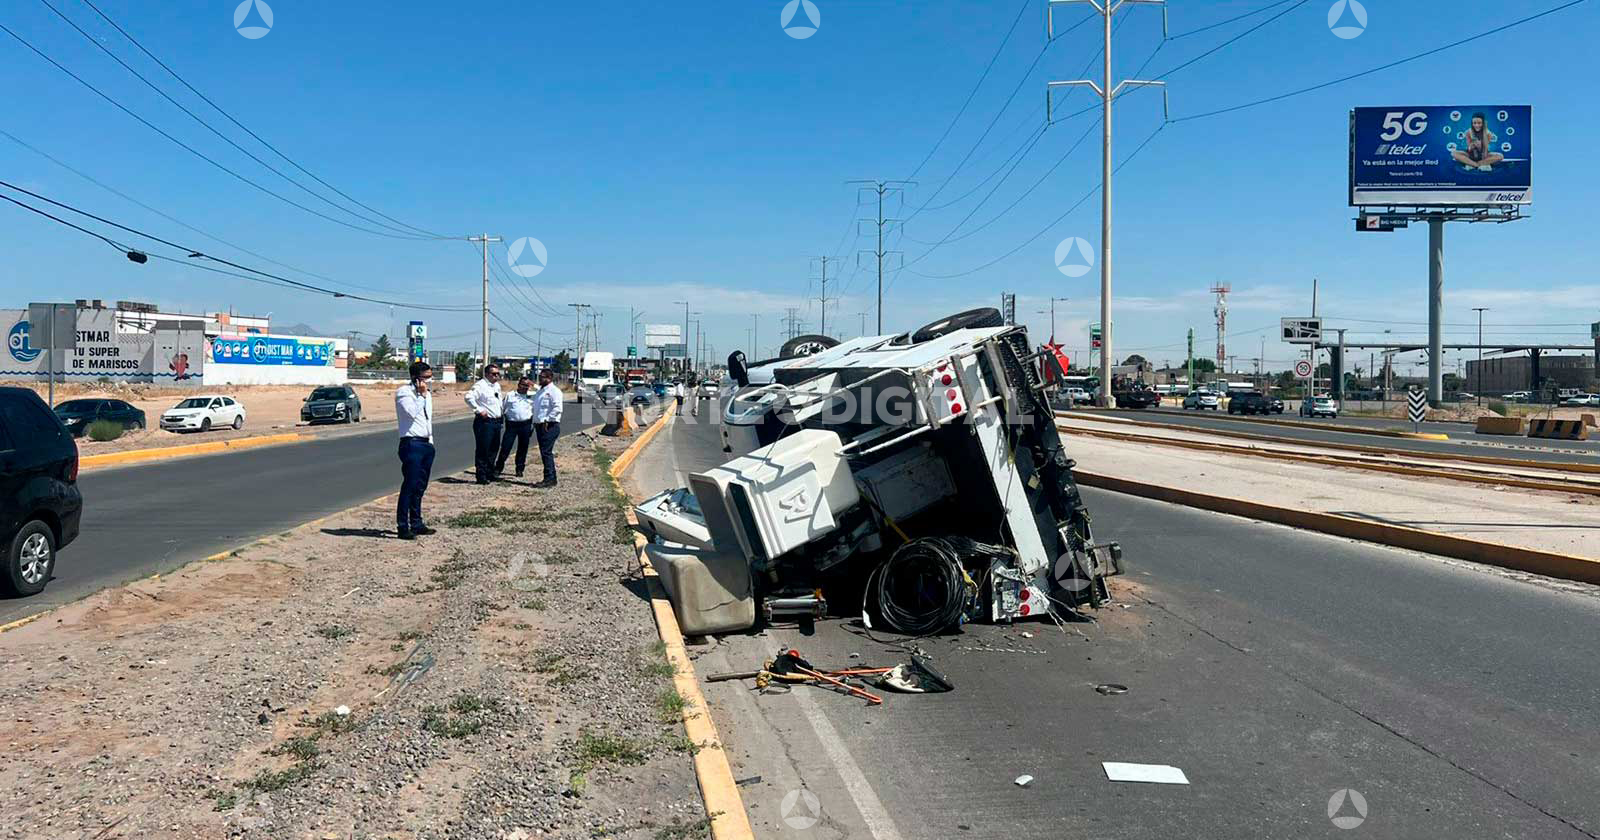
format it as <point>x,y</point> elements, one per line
<point>416,465</point>
<point>486,436</point>
<point>517,432</point>
<point>548,432</point>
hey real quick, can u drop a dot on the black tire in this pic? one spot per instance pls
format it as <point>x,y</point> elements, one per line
<point>806,345</point>
<point>986,316</point>
<point>137,425</point>
<point>238,422</point>
<point>34,537</point>
<point>205,424</point>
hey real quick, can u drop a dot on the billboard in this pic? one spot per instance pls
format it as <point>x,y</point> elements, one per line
<point>1441,155</point>
<point>661,335</point>
<point>271,350</point>
<point>1301,330</point>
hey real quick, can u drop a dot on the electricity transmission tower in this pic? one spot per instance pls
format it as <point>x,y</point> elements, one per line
<point>881,188</point>
<point>1107,93</point>
<point>823,297</point>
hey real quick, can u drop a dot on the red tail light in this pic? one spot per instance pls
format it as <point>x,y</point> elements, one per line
<point>72,467</point>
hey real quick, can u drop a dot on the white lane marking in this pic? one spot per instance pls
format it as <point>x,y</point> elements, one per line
<point>867,802</point>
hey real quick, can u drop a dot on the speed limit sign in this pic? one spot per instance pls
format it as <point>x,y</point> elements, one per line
<point>1302,368</point>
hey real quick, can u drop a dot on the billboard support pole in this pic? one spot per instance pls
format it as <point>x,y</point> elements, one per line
<point>1435,310</point>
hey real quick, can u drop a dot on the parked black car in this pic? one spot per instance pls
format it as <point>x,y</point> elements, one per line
<point>1138,398</point>
<point>1249,402</point>
<point>40,505</point>
<point>332,404</point>
<point>78,414</point>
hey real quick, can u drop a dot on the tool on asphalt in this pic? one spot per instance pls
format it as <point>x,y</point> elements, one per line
<point>1158,774</point>
<point>1111,688</point>
<point>923,470</point>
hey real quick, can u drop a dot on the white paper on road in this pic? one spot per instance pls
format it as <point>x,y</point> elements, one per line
<point>1160,774</point>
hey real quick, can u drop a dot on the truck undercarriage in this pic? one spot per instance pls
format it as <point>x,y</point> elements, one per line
<point>915,480</point>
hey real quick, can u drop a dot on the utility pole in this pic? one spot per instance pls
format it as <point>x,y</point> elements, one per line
<point>485,239</point>
<point>1053,317</point>
<point>792,320</point>
<point>1107,92</point>
<point>755,334</point>
<point>1191,358</point>
<point>685,305</point>
<point>1479,388</point>
<point>879,187</point>
<point>823,329</point>
<point>577,313</point>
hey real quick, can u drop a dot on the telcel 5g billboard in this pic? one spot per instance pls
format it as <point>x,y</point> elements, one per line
<point>1441,155</point>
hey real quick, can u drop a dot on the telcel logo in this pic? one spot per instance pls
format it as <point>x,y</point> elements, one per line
<point>1401,149</point>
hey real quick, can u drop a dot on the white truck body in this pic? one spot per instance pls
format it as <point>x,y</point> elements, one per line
<point>597,369</point>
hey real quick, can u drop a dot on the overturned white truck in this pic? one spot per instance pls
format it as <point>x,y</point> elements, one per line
<point>917,480</point>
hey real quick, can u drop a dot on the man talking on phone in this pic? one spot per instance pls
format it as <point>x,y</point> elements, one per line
<point>413,409</point>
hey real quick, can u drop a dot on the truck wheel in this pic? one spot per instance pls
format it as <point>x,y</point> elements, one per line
<point>986,316</point>
<point>806,345</point>
<point>30,559</point>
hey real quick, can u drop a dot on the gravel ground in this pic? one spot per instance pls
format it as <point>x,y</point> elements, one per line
<point>502,680</point>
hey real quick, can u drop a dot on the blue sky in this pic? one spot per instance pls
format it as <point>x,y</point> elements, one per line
<point>694,150</point>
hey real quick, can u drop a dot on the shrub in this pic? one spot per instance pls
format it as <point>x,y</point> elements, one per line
<point>105,430</point>
<point>1499,407</point>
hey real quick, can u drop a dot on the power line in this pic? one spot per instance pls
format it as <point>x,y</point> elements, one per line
<point>246,129</point>
<point>196,254</point>
<point>1233,40</point>
<point>1381,68</point>
<point>226,139</point>
<point>190,149</point>
<point>173,219</point>
<point>974,92</point>
<point>1233,19</point>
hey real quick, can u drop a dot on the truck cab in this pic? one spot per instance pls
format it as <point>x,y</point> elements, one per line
<point>595,371</point>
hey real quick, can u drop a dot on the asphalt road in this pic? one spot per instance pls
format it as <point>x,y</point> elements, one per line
<point>1274,667</point>
<point>145,519</point>
<point>1463,441</point>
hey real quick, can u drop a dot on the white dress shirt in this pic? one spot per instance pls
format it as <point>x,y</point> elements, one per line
<point>414,412</point>
<point>485,398</point>
<point>519,407</point>
<point>547,404</point>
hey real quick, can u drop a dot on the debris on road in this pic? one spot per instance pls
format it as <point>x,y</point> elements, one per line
<point>1157,774</point>
<point>1023,781</point>
<point>919,475</point>
<point>1111,688</point>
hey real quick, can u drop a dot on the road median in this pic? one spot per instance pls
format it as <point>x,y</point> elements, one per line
<point>1552,564</point>
<point>498,679</point>
<point>162,453</point>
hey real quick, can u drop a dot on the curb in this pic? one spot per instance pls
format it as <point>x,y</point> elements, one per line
<point>713,773</point>
<point>1548,563</point>
<point>164,452</point>
<point>1355,430</point>
<point>1569,466</point>
<point>209,558</point>
<point>1525,482</point>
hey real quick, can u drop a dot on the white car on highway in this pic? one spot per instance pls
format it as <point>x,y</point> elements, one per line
<point>1201,400</point>
<point>1323,406</point>
<point>204,413</point>
<point>1582,400</point>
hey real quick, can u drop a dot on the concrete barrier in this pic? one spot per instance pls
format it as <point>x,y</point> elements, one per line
<point>1558,429</point>
<point>1588,420</point>
<point>1499,426</point>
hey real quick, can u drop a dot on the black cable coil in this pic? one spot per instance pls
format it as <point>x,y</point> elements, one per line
<point>921,589</point>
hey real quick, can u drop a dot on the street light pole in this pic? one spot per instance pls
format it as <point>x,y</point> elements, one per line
<point>1107,92</point>
<point>1479,389</point>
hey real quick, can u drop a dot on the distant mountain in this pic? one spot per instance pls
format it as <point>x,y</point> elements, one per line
<point>300,329</point>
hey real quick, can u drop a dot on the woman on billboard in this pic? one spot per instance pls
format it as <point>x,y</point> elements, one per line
<point>1479,139</point>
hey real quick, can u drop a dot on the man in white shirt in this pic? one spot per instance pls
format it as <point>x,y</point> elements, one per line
<point>519,426</point>
<point>547,424</point>
<point>413,409</point>
<point>488,404</point>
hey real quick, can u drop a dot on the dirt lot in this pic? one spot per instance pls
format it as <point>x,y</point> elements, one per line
<point>270,410</point>
<point>502,679</point>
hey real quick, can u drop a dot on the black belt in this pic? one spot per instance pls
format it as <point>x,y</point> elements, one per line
<point>414,437</point>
